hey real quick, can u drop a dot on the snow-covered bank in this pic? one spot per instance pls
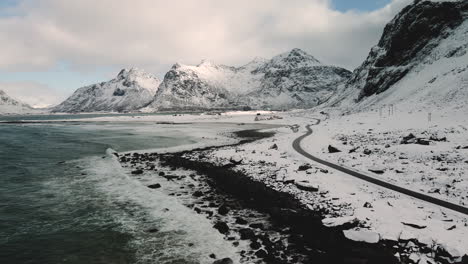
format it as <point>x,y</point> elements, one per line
<point>351,202</point>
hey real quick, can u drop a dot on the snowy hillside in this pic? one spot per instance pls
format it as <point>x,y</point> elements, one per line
<point>291,80</point>
<point>420,61</point>
<point>131,90</point>
<point>9,105</point>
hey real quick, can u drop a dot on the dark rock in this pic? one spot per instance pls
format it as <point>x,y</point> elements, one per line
<point>235,162</point>
<point>246,233</point>
<point>255,245</point>
<point>275,147</point>
<point>241,221</point>
<point>304,167</point>
<point>172,177</point>
<point>407,139</point>
<point>353,150</point>
<point>423,141</point>
<point>438,139</point>
<point>213,256</point>
<point>198,194</point>
<point>161,173</point>
<point>137,172</point>
<point>367,152</point>
<point>289,181</point>
<point>223,210</point>
<point>153,230</point>
<point>377,170</point>
<point>332,149</point>
<point>154,186</point>
<point>224,261</point>
<point>413,225</point>
<point>367,205</point>
<point>307,187</point>
<point>261,253</point>
<point>222,227</point>
<point>323,171</point>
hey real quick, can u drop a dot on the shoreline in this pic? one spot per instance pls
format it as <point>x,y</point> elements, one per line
<point>297,224</point>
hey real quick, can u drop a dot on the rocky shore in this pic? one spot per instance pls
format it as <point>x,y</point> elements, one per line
<point>266,219</point>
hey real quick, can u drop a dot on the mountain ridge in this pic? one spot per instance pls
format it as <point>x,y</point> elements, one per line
<point>302,82</point>
<point>420,60</point>
<point>130,90</point>
<point>9,105</point>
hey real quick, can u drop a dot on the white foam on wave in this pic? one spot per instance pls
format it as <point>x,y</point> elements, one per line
<point>183,234</point>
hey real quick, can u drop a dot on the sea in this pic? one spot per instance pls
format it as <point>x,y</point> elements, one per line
<point>65,199</point>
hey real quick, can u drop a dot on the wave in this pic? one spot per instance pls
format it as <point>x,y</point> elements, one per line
<point>182,235</point>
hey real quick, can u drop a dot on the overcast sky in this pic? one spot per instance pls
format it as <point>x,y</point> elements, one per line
<point>52,47</point>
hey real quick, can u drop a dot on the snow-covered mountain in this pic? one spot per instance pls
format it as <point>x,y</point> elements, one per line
<point>291,80</point>
<point>8,105</point>
<point>132,89</point>
<point>421,60</point>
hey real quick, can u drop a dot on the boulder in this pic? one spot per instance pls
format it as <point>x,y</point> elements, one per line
<point>154,186</point>
<point>415,225</point>
<point>306,186</point>
<point>221,227</point>
<point>224,261</point>
<point>241,221</point>
<point>423,141</point>
<point>332,149</point>
<point>377,170</point>
<point>223,210</point>
<point>246,233</point>
<point>304,167</point>
<point>365,236</point>
<point>137,172</point>
<point>255,245</point>
<point>409,139</point>
<point>350,221</point>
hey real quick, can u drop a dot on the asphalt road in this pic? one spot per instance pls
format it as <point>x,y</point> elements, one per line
<point>297,146</point>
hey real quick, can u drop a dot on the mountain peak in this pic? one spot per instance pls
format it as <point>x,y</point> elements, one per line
<point>298,54</point>
<point>206,63</point>
<point>129,72</point>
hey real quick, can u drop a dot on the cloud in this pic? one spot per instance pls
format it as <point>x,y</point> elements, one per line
<point>153,34</point>
<point>35,94</point>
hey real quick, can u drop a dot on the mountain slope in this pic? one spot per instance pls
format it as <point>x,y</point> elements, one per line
<point>421,60</point>
<point>132,89</point>
<point>290,80</point>
<point>9,105</point>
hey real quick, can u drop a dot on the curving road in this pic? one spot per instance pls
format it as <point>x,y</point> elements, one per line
<point>297,146</point>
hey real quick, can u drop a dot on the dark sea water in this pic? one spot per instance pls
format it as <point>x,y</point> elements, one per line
<point>64,200</point>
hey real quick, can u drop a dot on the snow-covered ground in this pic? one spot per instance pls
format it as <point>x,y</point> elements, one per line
<point>437,169</point>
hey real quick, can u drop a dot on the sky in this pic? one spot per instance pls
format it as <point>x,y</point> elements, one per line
<point>52,47</point>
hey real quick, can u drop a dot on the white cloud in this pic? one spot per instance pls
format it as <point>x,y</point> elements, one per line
<point>154,34</point>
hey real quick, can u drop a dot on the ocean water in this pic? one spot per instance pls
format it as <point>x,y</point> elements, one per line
<point>65,199</point>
